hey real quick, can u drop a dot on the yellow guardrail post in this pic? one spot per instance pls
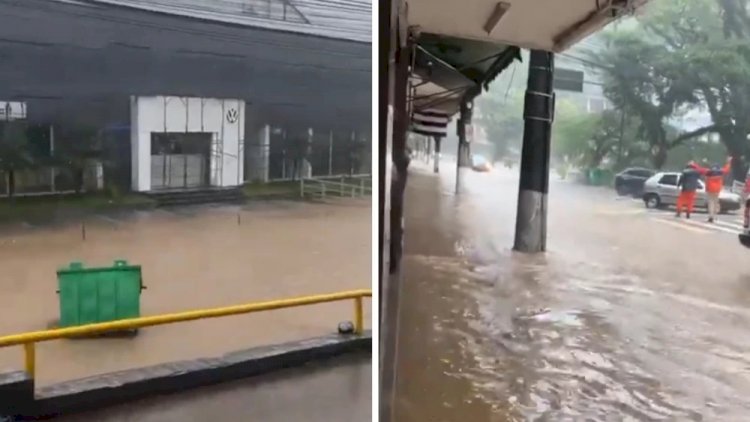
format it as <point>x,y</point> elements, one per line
<point>359,318</point>
<point>30,359</point>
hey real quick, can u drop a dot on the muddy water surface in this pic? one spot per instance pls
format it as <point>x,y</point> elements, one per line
<point>622,319</point>
<point>192,258</point>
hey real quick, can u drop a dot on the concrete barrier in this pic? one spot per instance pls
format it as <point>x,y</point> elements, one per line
<point>19,402</point>
<point>16,393</point>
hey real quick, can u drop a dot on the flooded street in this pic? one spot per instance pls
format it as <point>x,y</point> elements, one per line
<point>630,315</point>
<point>192,258</point>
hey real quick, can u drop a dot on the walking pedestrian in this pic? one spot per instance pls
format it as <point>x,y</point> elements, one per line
<point>714,185</point>
<point>688,185</point>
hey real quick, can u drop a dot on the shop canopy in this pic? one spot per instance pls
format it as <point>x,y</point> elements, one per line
<point>461,46</point>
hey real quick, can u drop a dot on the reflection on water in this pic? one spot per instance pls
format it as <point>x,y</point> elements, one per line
<point>570,335</point>
<point>192,258</point>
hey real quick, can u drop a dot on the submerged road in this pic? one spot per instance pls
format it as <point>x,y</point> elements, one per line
<point>192,258</point>
<point>340,390</point>
<point>630,315</point>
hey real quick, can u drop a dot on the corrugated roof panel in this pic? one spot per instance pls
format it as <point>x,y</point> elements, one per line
<point>342,19</point>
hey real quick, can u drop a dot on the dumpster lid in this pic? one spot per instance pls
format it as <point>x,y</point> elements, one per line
<point>118,265</point>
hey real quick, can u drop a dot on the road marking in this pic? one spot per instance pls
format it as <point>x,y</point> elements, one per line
<point>736,224</point>
<point>624,211</point>
<point>681,225</point>
<point>712,226</point>
<point>697,226</point>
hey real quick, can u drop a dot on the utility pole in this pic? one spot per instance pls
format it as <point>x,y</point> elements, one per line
<point>436,168</point>
<point>539,106</point>
<point>463,155</point>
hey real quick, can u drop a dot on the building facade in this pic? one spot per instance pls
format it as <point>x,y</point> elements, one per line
<point>129,100</point>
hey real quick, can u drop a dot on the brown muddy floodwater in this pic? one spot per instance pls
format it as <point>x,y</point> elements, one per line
<point>623,319</point>
<point>192,257</point>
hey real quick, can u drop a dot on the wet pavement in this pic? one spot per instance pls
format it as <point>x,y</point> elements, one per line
<point>339,390</point>
<point>192,257</point>
<point>630,315</point>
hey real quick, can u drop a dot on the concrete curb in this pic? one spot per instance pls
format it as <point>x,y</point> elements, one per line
<point>115,388</point>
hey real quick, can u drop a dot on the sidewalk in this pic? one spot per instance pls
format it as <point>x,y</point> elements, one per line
<point>428,349</point>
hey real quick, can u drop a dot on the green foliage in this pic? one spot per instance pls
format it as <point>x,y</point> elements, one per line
<point>685,53</point>
<point>645,79</point>
<point>591,140</point>
<point>502,118</point>
<point>708,152</point>
<point>572,133</point>
<point>76,144</point>
<point>679,56</point>
<point>14,151</point>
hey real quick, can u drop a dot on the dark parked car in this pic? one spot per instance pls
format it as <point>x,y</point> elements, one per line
<point>630,181</point>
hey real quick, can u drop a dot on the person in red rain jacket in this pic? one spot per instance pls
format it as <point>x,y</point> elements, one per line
<point>688,183</point>
<point>714,184</point>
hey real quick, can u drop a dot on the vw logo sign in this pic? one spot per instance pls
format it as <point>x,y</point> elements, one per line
<point>232,115</point>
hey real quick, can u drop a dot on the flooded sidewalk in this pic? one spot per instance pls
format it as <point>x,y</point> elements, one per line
<point>619,317</point>
<point>192,257</point>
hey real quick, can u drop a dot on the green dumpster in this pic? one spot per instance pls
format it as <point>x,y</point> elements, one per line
<point>595,177</point>
<point>91,295</point>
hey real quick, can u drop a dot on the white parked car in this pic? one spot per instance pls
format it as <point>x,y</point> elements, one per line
<point>661,190</point>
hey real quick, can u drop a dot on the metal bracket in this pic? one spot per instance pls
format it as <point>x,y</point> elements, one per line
<point>539,106</point>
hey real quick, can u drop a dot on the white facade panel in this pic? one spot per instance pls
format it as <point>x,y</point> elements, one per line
<point>194,110</point>
<point>222,118</point>
<point>176,114</point>
<point>212,115</point>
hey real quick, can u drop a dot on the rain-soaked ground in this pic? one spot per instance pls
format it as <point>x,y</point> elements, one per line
<point>192,257</point>
<point>628,316</point>
<point>338,390</point>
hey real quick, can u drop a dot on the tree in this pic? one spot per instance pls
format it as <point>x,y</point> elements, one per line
<point>588,140</point>
<point>697,150</point>
<point>709,43</point>
<point>14,152</point>
<point>75,145</point>
<point>502,119</point>
<point>646,79</point>
<point>572,132</point>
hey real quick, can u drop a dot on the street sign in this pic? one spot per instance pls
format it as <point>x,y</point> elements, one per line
<point>568,80</point>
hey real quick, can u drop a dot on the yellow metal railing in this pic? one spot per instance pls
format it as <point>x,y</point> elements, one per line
<point>29,340</point>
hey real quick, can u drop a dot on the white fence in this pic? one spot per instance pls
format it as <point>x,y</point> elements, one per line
<point>344,186</point>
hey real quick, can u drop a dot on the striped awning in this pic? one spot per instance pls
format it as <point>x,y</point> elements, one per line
<point>430,122</point>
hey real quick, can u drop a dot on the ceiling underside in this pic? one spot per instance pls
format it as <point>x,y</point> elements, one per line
<point>552,25</point>
<point>448,69</point>
<point>463,45</point>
